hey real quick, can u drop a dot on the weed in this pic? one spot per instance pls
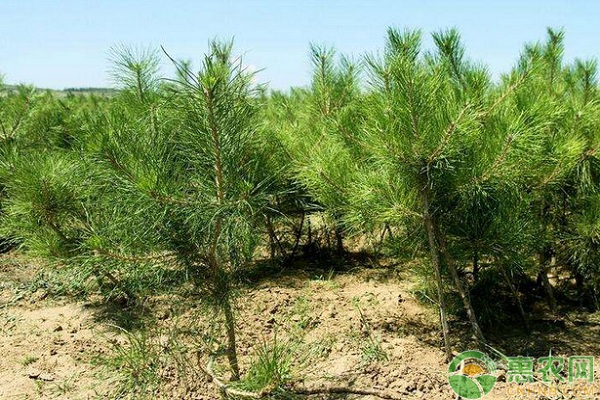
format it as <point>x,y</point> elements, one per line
<point>53,281</point>
<point>272,367</point>
<point>65,386</point>
<point>328,276</point>
<point>372,351</point>
<point>301,313</point>
<point>327,280</point>
<point>9,323</point>
<point>29,359</point>
<point>370,344</point>
<point>137,362</point>
<point>321,348</point>
<point>39,387</point>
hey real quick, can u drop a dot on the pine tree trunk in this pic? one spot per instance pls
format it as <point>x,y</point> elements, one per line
<point>271,237</point>
<point>586,296</point>
<point>385,231</point>
<point>475,264</point>
<point>231,342</point>
<point>339,239</point>
<point>544,259</point>
<point>435,259</point>
<point>580,289</point>
<point>462,291</point>
<point>298,235</point>
<point>274,243</point>
<point>543,278</point>
<point>222,291</point>
<point>515,294</point>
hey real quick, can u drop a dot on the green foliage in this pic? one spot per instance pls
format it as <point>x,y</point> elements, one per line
<point>370,344</point>
<point>189,180</point>
<point>46,205</point>
<point>135,70</point>
<point>271,368</point>
<point>138,362</point>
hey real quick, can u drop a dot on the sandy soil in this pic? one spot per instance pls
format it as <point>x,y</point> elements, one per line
<point>46,345</point>
<point>362,329</point>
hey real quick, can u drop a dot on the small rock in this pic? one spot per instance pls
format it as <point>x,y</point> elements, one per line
<point>34,373</point>
<point>395,374</point>
<point>58,328</point>
<point>40,375</point>
<point>382,381</point>
<point>296,318</point>
<point>46,377</point>
<point>395,384</point>
<point>331,311</point>
<point>410,387</point>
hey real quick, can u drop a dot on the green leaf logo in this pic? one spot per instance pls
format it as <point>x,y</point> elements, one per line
<point>470,374</point>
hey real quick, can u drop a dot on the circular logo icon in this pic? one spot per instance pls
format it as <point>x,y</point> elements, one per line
<point>471,374</point>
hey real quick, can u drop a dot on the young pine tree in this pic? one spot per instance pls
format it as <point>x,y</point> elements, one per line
<point>172,176</point>
<point>439,139</point>
<point>320,137</point>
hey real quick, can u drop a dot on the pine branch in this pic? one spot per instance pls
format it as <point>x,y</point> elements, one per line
<point>133,258</point>
<point>117,166</point>
<point>498,161</point>
<point>504,95</point>
<point>4,134</point>
<point>550,177</point>
<point>218,167</point>
<point>164,199</point>
<point>182,69</point>
<point>446,138</point>
<point>20,118</point>
<point>345,390</point>
<point>331,182</point>
<point>214,130</point>
<point>414,115</point>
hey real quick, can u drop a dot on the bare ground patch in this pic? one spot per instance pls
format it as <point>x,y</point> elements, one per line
<point>360,329</point>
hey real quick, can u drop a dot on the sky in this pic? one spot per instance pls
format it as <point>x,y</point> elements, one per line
<point>65,43</point>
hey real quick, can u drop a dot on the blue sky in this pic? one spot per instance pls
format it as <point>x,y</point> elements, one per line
<point>57,44</point>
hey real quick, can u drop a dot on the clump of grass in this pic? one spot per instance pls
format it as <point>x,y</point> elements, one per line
<point>137,362</point>
<point>9,322</point>
<point>272,367</point>
<point>55,281</point>
<point>370,344</point>
<point>302,309</point>
<point>65,386</point>
<point>39,387</point>
<point>29,359</point>
<point>327,280</point>
<point>372,351</point>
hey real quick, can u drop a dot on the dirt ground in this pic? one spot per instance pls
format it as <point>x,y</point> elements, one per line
<point>359,329</point>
